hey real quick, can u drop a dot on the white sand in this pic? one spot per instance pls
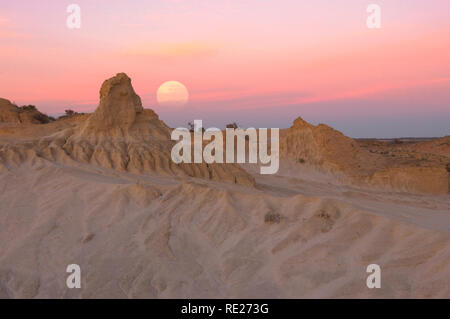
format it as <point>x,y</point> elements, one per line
<point>152,236</point>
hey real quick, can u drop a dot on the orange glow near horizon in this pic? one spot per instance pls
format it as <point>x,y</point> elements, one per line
<point>243,54</point>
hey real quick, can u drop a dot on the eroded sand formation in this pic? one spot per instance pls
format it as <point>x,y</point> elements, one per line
<point>10,113</point>
<point>329,150</point>
<point>119,135</point>
<point>101,191</point>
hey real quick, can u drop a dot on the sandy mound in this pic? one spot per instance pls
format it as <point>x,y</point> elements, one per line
<point>324,147</point>
<point>440,146</point>
<point>28,114</point>
<point>8,112</point>
<point>119,135</point>
<point>398,168</point>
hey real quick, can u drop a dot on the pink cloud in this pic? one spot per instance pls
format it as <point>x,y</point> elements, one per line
<point>170,50</point>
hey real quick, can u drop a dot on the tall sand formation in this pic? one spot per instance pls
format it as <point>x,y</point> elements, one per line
<point>119,135</point>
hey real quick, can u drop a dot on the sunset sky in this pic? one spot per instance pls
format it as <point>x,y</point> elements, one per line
<point>260,63</point>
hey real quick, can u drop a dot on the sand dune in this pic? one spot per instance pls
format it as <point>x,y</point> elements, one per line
<point>101,191</point>
<point>154,236</point>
